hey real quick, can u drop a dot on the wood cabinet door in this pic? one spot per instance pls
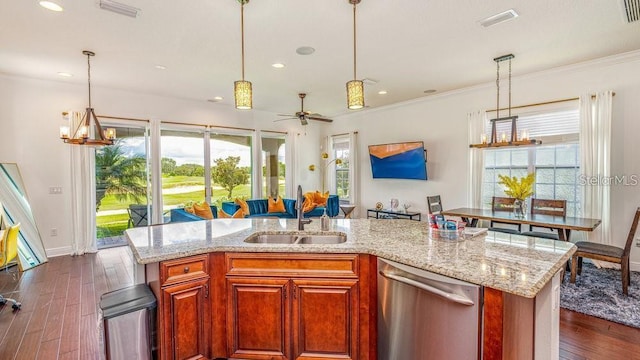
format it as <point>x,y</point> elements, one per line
<point>258,315</point>
<point>186,320</point>
<point>325,319</point>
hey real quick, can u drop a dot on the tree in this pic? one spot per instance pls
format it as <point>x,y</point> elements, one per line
<point>227,174</point>
<point>189,170</point>
<point>168,166</point>
<point>119,175</point>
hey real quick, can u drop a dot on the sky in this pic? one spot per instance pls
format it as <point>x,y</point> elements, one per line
<point>185,150</point>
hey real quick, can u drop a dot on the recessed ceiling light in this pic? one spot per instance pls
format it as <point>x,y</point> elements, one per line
<point>430,91</point>
<point>499,18</point>
<point>161,67</point>
<point>305,50</point>
<point>50,5</point>
<point>216,99</point>
<point>65,74</point>
<point>278,65</point>
<point>382,92</point>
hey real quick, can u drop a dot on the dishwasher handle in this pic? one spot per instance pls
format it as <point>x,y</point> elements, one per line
<point>449,296</point>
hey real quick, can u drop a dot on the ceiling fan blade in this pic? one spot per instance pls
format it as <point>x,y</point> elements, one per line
<point>319,119</point>
<point>289,118</point>
<point>286,115</point>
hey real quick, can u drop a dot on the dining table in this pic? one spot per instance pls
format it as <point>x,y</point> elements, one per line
<point>563,224</point>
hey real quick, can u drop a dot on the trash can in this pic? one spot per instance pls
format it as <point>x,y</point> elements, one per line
<point>129,323</point>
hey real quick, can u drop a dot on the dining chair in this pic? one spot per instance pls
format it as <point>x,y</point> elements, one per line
<point>609,253</point>
<point>547,207</point>
<point>503,204</point>
<point>435,204</point>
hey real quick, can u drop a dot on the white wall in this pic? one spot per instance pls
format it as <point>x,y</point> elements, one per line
<point>440,121</point>
<point>30,117</point>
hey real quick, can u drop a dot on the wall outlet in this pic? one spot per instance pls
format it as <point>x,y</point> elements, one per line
<point>638,241</point>
<point>54,232</point>
<point>55,190</point>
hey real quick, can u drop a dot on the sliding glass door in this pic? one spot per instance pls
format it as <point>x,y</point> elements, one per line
<point>231,166</point>
<point>273,164</point>
<point>122,184</point>
<point>183,171</point>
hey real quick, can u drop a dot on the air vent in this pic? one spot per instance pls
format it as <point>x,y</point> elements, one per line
<point>119,8</point>
<point>630,10</point>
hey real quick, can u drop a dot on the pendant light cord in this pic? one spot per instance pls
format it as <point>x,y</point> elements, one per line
<point>509,87</point>
<point>89,76</point>
<point>354,41</point>
<point>498,88</point>
<point>242,31</point>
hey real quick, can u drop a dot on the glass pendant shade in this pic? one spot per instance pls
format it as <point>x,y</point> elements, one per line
<point>355,94</point>
<point>243,94</point>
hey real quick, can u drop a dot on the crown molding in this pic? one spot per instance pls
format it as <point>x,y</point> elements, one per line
<point>603,62</point>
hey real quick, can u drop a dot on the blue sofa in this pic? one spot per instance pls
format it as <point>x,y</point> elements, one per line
<point>180,215</point>
<point>259,208</point>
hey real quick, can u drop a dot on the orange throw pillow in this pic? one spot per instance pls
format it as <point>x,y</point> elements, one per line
<point>243,206</point>
<point>190,210</point>
<point>237,215</point>
<point>203,210</point>
<point>320,198</point>
<point>275,206</point>
<point>309,202</point>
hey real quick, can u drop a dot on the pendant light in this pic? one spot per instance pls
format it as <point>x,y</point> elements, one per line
<point>242,89</point>
<point>513,139</point>
<point>82,133</point>
<point>355,87</point>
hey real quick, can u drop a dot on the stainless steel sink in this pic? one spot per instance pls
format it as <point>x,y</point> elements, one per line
<point>295,239</point>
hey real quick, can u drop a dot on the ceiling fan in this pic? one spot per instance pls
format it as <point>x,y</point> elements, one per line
<point>304,116</point>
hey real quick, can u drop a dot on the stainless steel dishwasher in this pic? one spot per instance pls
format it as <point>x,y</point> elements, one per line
<point>424,316</point>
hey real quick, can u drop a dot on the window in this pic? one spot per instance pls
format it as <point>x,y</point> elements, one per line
<point>341,148</point>
<point>556,165</point>
<point>231,167</point>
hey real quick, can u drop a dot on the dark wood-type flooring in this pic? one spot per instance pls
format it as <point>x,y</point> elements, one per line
<point>59,318</point>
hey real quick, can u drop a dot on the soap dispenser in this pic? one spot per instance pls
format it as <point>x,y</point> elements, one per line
<point>324,221</point>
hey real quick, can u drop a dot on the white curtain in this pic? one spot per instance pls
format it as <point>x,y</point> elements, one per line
<point>476,122</point>
<point>354,173</point>
<point>291,163</point>
<point>83,195</point>
<point>595,161</point>
<point>258,190</point>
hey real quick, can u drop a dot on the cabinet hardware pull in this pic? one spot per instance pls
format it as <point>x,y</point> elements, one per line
<point>206,291</point>
<point>285,291</point>
<point>186,269</point>
<point>295,291</point>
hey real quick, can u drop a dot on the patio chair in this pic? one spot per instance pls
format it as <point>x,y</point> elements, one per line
<point>138,215</point>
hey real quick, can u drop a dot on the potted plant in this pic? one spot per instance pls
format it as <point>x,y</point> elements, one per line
<point>519,189</point>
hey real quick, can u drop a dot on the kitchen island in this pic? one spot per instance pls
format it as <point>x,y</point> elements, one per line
<point>519,276</point>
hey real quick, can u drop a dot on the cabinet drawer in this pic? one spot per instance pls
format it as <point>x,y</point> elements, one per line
<point>292,265</point>
<point>175,271</point>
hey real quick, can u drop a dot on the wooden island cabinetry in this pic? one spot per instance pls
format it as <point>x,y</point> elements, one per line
<point>182,289</point>
<point>293,306</point>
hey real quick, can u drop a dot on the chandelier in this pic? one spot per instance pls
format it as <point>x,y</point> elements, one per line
<point>82,134</point>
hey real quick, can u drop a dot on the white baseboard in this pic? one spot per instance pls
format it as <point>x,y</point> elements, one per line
<point>634,265</point>
<point>59,251</point>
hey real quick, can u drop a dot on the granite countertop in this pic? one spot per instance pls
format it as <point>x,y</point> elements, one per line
<point>515,264</point>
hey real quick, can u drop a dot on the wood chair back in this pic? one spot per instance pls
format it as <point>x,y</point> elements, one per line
<point>435,204</point>
<point>549,207</point>
<point>502,203</point>
<point>632,234</point>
